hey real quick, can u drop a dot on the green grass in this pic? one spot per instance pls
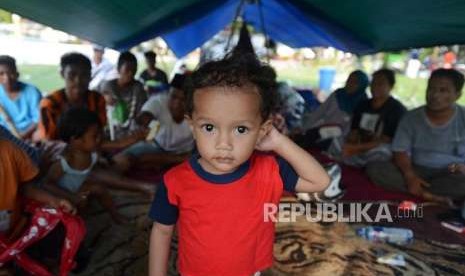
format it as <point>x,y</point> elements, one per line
<point>45,77</point>
<point>410,91</point>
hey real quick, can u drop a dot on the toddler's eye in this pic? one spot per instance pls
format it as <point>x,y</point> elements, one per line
<point>242,129</point>
<point>208,127</point>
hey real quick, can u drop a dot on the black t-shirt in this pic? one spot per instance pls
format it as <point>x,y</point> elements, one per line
<point>160,76</point>
<point>372,122</point>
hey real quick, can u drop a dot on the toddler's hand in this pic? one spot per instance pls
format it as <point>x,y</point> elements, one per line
<point>270,141</point>
<point>64,205</point>
<point>67,206</point>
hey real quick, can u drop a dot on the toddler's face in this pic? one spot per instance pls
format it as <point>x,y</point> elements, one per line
<point>226,125</point>
<point>90,141</point>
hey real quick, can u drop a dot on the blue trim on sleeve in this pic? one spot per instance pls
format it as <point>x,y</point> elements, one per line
<point>288,175</point>
<point>162,211</point>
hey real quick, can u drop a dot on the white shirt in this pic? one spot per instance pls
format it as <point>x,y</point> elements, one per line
<point>171,135</point>
<point>101,72</point>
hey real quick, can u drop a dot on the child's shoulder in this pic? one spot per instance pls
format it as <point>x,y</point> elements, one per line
<point>179,169</point>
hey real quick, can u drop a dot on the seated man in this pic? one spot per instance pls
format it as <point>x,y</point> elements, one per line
<point>124,96</point>
<point>75,69</point>
<point>172,141</point>
<point>374,123</point>
<point>102,69</point>
<point>19,101</point>
<point>153,78</point>
<point>429,146</point>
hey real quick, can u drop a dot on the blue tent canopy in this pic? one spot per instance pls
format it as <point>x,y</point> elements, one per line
<point>361,27</point>
<point>283,22</point>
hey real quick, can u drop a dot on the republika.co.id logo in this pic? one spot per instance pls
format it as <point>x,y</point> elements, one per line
<point>339,212</point>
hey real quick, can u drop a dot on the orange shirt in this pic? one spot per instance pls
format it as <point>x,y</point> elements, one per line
<point>15,168</point>
<point>55,104</point>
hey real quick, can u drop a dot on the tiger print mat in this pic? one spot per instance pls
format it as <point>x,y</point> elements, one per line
<point>302,248</point>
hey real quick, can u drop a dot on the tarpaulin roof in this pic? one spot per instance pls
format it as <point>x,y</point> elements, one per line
<point>362,26</point>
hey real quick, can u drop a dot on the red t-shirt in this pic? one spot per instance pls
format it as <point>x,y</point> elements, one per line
<point>220,220</point>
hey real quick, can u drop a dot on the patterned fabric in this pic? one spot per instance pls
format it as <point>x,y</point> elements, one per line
<point>43,221</point>
<point>292,106</point>
<point>301,248</point>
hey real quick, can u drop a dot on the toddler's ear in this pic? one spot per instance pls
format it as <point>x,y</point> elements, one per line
<point>265,128</point>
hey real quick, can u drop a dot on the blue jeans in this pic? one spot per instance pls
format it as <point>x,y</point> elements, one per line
<point>142,147</point>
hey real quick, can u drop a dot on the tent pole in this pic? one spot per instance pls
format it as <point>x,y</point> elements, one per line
<point>262,22</point>
<point>236,18</point>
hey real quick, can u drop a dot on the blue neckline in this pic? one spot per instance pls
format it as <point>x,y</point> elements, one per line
<point>218,178</point>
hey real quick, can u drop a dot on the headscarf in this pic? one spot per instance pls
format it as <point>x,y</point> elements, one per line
<point>348,102</point>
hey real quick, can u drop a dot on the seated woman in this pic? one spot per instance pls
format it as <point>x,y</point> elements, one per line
<point>335,111</point>
<point>124,95</point>
<point>374,123</point>
<point>19,101</point>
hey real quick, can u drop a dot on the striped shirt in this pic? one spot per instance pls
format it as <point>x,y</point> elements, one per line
<point>32,152</point>
<point>55,104</point>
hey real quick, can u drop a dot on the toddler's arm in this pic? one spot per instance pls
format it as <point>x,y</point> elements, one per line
<point>43,196</point>
<point>312,176</point>
<point>160,240</point>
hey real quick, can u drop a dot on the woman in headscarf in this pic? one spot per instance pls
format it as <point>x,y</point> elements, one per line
<point>335,112</point>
